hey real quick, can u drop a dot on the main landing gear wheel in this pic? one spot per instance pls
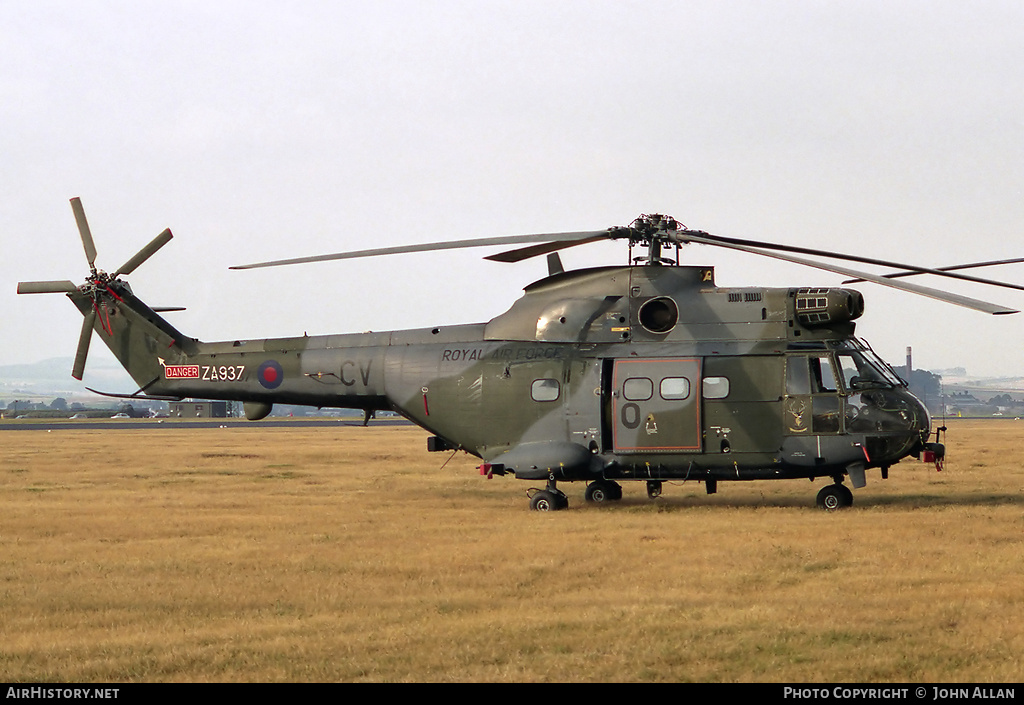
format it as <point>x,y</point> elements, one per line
<point>549,501</point>
<point>834,497</point>
<point>601,491</point>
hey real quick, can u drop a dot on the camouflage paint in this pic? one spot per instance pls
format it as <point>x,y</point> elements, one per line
<point>540,390</point>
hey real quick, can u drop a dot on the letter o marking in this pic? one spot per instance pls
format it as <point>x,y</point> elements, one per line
<point>630,415</point>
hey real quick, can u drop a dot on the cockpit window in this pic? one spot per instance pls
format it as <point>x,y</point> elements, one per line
<point>810,375</point>
<point>822,377</point>
<point>860,373</point>
<point>883,367</point>
<point>797,381</point>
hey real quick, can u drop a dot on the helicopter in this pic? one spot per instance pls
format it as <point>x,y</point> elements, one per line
<point>644,372</point>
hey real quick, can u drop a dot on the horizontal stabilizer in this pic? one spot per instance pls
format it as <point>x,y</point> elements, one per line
<point>136,395</point>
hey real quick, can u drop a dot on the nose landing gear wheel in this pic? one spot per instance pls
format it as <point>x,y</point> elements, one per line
<point>835,497</point>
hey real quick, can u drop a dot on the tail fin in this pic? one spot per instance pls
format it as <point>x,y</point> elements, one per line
<point>140,339</point>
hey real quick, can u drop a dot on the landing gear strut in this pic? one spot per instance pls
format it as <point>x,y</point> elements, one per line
<point>837,496</point>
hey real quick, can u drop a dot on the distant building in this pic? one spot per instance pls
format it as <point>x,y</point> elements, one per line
<point>966,404</point>
<point>198,409</point>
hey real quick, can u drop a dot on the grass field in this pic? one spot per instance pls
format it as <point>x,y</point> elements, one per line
<point>351,554</point>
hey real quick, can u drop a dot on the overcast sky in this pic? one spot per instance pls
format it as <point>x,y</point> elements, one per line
<point>264,130</point>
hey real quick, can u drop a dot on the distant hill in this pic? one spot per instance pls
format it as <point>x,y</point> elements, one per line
<point>53,377</point>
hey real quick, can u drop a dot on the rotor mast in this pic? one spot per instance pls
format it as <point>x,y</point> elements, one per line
<point>653,231</point>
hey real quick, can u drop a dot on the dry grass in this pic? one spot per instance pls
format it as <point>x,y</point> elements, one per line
<point>348,554</point>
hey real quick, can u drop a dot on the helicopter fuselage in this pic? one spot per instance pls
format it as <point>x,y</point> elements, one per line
<point>644,372</point>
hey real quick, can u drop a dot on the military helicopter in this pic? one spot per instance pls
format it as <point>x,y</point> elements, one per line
<point>646,372</point>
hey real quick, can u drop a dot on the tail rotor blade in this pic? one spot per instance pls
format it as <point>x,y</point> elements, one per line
<point>83,228</point>
<point>145,253</point>
<point>50,287</point>
<point>83,345</point>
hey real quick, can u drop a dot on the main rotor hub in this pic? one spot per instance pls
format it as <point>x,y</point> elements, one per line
<point>653,224</point>
<point>653,231</point>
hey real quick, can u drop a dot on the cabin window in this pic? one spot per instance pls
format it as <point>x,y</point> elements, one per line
<point>638,389</point>
<point>675,388</point>
<point>716,387</point>
<point>545,390</point>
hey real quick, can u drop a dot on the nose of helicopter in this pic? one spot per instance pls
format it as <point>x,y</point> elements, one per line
<point>895,423</point>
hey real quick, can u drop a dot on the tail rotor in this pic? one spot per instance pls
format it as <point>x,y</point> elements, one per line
<point>98,285</point>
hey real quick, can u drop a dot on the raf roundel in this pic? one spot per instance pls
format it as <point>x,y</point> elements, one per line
<point>270,374</point>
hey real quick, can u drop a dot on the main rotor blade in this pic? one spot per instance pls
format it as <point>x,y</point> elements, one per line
<point>967,302</point>
<point>83,229</point>
<point>83,345</point>
<point>145,253</point>
<point>542,249</point>
<point>684,236</point>
<point>955,267</point>
<point>431,246</point>
<point>50,287</point>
